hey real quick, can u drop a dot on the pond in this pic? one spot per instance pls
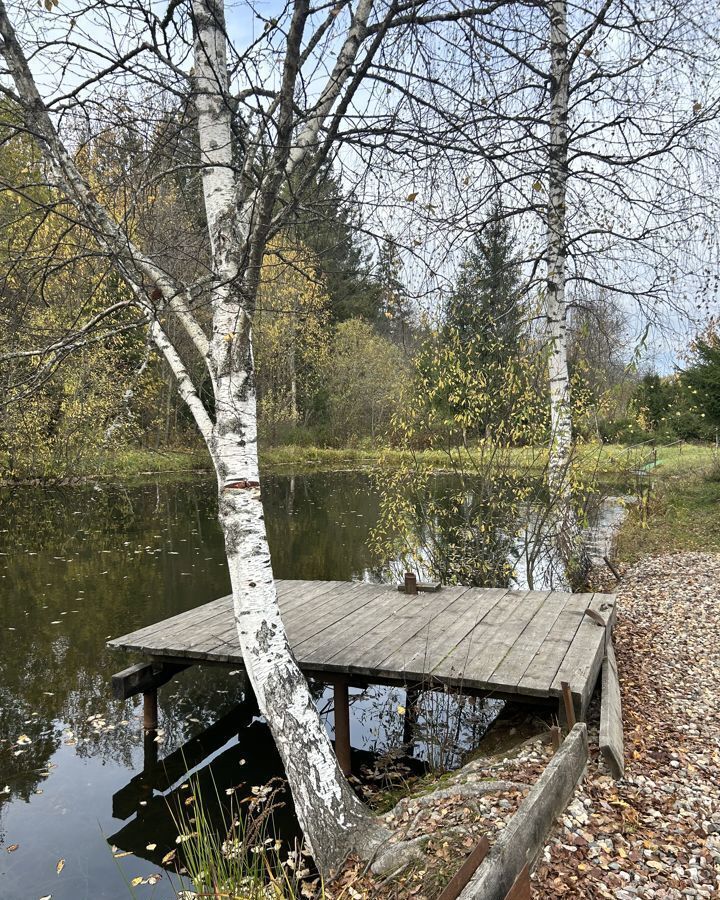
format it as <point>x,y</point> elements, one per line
<point>80,565</point>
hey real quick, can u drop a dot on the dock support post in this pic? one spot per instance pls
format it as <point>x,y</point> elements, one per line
<point>342,725</point>
<point>150,710</point>
<point>412,694</point>
<point>568,704</point>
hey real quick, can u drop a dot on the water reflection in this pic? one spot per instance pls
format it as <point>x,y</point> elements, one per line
<point>81,565</point>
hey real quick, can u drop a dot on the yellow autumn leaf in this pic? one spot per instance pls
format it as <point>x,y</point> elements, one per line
<point>60,866</point>
<point>136,881</point>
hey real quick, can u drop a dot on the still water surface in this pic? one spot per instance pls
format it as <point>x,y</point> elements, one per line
<point>79,565</point>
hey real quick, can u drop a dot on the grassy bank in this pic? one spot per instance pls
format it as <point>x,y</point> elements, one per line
<point>678,461</point>
<point>683,512</point>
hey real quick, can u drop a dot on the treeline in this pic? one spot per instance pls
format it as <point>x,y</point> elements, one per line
<point>342,350</point>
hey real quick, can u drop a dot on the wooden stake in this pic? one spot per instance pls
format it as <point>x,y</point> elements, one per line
<point>618,576</point>
<point>569,705</point>
<point>556,736</point>
<point>342,726</point>
<point>150,710</point>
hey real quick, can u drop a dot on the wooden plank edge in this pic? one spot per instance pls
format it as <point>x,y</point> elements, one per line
<point>612,744</point>
<point>522,841</point>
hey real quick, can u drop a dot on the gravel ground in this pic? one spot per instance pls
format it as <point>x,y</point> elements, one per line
<point>655,833</point>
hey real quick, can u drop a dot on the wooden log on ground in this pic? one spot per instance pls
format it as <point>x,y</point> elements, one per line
<point>611,724</point>
<point>143,678</point>
<point>521,842</point>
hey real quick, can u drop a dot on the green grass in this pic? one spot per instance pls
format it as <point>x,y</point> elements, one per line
<point>683,509</point>
<point>126,462</point>
<point>129,462</point>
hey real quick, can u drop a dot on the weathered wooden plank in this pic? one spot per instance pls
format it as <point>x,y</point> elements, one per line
<point>523,839</point>
<point>541,672</point>
<point>410,625</point>
<point>500,634</point>
<point>311,612</point>
<point>489,639</point>
<point>144,635</point>
<point>309,592</point>
<point>329,639</point>
<point>424,652</point>
<point>179,625</point>
<point>223,640</point>
<point>612,745</point>
<point>511,669</point>
<point>581,664</point>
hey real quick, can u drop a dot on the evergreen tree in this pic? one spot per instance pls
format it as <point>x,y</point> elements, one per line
<point>326,223</point>
<point>395,307</point>
<point>485,304</point>
<point>483,318</point>
<point>703,379</point>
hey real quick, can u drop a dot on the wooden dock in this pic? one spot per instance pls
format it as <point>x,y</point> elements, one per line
<point>513,645</point>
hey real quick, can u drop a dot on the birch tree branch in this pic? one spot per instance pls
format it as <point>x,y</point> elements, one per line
<point>39,123</point>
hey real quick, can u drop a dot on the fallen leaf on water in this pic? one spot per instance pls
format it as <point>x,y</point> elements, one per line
<point>150,846</point>
<point>169,857</point>
<point>136,881</point>
<point>23,739</point>
<point>121,854</point>
<point>12,848</point>
<point>46,897</point>
<point>153,879</point>
<point>60,866</point>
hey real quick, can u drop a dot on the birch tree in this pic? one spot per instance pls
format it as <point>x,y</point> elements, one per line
<point>598,122</point>
<point>261,115</point>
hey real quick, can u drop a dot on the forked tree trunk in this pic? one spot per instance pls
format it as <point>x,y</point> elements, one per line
<point>333,820</point>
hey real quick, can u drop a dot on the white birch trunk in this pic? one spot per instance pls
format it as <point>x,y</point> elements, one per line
<point>568,536</point>
<point>561,419</point>
<point>333,820</point>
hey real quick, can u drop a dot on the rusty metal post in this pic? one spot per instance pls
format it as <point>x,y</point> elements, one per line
<point>150,710</point>
<point>410,583</point>
<point>569,705</point>
<point>342,726</point>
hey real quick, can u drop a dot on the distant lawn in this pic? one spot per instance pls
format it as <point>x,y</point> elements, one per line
<point>684,461</point>
<point>683,511</point>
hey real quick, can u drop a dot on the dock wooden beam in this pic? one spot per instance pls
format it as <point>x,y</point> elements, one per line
<point>144,678</point>
<point>342,725</point>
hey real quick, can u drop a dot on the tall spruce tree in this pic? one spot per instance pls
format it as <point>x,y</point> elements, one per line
<point>485,306</point>
<point>483,326</point>
<point>395,307</point>
<point>326,222</point>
